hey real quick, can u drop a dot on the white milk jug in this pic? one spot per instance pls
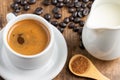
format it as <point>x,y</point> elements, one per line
<point>101,33</point>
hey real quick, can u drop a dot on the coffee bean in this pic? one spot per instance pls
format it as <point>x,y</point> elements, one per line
<point>75,1</point>
<point>83,5</point>
<point>79,9</point>
<point>89,5</point>
<point>47,16</point>
<point>17,1</point>
<point>60,5</point>
<point>75,28</point>
<point>61,29</point>
<point>14,5</point>
<point>56,10</point>
<point>74,14</point>
<point>70,4</point>
<point>26,7</point>
<point>55,23</point>
<point>66,1</point>
<point>46,2</point>
<point>54,2</point>
<point>63,25</point>
<point>60,1</point>
<point>79,14</point>
<point>71,10</point>
<point>32,1</point>
<point>77,4</point>
<point>57,15</point>
<point>66,20</point>
<point>71,18</point>
<point>71,25</point>
<point>81,45</point>
<point>17,9</point>
<point>81,23</point>
<point>85,1</point>
<point>14,13</point>
<point>80,31</point>
<point>23,2</point>
<point>86,11</point>
<point>38,11</point>
<point>77,20</point>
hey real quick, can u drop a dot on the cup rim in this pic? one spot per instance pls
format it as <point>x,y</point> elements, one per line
<point>23,17</point>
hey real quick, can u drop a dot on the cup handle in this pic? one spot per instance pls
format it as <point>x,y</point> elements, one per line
<point>10,16</point>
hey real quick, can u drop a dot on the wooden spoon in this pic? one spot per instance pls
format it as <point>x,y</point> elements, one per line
<point>82,66</point>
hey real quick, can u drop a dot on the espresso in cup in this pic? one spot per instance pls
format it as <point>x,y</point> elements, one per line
<point>28,37</point>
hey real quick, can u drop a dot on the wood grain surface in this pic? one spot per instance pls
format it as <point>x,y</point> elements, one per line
<point>111,69</point>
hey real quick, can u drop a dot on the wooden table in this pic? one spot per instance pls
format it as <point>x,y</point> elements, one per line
<point>111,69</point>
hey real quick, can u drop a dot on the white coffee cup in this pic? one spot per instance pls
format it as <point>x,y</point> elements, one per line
<point>23,61</point>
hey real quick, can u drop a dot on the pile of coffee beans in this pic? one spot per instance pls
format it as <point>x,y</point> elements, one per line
<point>19,5</point>
<point>78,10</point>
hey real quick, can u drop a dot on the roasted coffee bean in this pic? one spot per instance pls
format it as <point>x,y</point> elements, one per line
<point>66,1</point>
<point>79,9</point>
<point>47,16</point>
<point>75,14</point>
<point>79,14</point>
<point>61,29</point>
<point>86,11</point>
<point>77,4</point>
<point>81,45</point>
<point>89,5</point>
<point>26,7</point>
<point>14,5</point>
<point>17,9</point>
<point>71,18</point>
<point>83,5</point>
<point>85,1</point>
<point>77,20</point>
<point>81,23</point>
<point>56,10</point>
<point>80,31</point>
<point>60,0</point>
<point>75,28</point>
<point>71,25</point>
<point>14,13</point>
<point>46,2</point>
<point>32,1</point>
<point>17,1</point>
<point>70,4</point>
<point>75,1</point>
<point>55,23</point>
<point>38,11</point>
<point>54,2</point>
<point>23,2</point>
<point>63,25</point>
<point>71,10</point>
<point>57,15</point>
<point>60,5</point>
<point>66,20</point>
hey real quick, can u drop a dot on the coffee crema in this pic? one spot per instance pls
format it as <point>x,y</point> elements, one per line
<point>28,37</point>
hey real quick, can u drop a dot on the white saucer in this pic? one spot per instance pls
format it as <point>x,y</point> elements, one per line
<point>48,72</point>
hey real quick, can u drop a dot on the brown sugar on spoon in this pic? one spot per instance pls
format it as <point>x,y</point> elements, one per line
<point>79,65</point>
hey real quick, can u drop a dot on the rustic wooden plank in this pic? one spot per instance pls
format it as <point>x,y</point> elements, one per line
<point>108,68</point>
